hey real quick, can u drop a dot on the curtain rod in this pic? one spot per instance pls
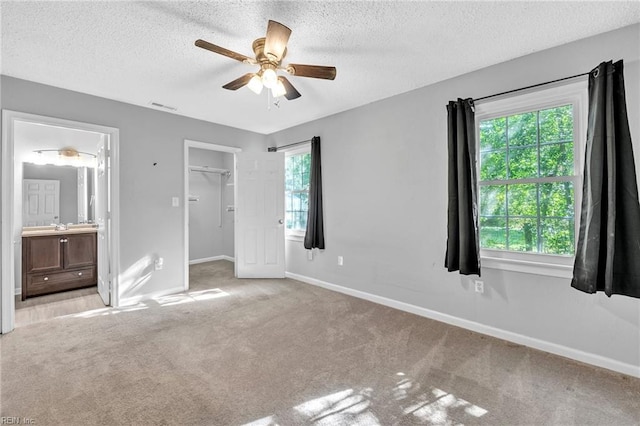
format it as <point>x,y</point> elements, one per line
<point>531,87</point>
<point>276,148</point>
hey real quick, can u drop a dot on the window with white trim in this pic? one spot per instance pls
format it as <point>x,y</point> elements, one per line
<point>529,151</point>
<point>297,172</point>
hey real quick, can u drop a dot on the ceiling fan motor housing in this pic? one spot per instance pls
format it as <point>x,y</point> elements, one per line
<point>266,59</point>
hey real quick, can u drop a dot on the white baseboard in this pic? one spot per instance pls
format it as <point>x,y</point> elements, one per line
<point>554,348</point>
<point>211,259</point>
<point>18,291</point>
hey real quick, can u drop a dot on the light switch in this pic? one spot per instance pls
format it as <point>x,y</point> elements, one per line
<point>175,202</point>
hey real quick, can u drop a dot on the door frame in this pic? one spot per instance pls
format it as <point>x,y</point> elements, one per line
<point>7,273</point>
<point>188,143</point>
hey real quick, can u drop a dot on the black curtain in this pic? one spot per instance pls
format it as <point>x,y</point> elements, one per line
<point>608,254</point>
<point>463,245</point>
<point>314,237</point>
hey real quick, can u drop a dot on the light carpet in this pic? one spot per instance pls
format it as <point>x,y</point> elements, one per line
<point>267,352</point>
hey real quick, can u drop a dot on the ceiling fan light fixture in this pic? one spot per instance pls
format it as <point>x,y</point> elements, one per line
<point>269,78</point>
<point>255,84</point>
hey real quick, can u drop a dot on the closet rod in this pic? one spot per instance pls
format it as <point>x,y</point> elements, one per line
<point>208,169</point>
<point>276,148</point>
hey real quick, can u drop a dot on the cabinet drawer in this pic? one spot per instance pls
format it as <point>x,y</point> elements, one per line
<point>59,281</point>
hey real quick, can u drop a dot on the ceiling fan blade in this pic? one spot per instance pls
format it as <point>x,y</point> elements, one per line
<point>276,40</point>
<point>313,71</point>
<point>222,51</point>
<point>291,93</point>
<point>238,82</point>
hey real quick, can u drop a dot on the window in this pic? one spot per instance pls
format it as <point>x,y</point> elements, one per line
<point>297,171</point>
<point>529,149</point>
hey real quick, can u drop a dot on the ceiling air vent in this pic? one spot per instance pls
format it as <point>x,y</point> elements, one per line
<point>167,107</point>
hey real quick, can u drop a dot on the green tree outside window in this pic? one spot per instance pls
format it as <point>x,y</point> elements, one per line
<point>526,182</point>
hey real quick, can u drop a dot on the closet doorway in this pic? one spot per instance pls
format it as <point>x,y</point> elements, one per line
<point>209,176</point>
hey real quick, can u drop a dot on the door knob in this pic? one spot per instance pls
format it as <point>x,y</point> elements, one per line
<point>280,221</point>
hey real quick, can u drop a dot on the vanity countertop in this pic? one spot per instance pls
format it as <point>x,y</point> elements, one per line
<point>40,231</point>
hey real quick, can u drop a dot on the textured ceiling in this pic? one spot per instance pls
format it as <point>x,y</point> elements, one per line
<point>143,52</point>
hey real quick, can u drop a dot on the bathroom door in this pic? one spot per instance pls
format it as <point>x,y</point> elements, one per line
<point>259,216</point>
<point>103,219</point>
<point>40,202</point>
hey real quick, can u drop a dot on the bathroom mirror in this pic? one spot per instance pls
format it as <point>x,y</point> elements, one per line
<point>57,194</point>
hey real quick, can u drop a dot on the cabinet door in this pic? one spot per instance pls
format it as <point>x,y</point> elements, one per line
<point>79,250</point>
<point>43,253</point>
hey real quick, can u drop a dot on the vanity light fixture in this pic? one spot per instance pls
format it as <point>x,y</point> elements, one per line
<point>64,157</point>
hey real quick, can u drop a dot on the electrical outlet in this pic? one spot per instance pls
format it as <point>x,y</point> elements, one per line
<point>309,255</point>
<point>479,286</point>
<point>159,264</point>
<point>340,261</point>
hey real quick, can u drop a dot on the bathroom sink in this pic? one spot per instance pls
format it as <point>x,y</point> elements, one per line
<point>34,231</point>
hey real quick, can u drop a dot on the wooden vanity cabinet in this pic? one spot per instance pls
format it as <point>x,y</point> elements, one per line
<point>54,263</point>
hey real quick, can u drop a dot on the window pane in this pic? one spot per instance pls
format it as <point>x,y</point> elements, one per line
<point>523,200</point>
<point>288,204</point>
<point>556,159</point>
<point>493,134</point>
<point>296,201</point>
<point>529,217</point>
<point>522,129</point>
<point>304,201</point>
<point>493,200</point>
<point>523,163</point>
<point>288,173</point>
<point>556,199</point>
<point>557,236</point>
<point>305,160</point>
<point>556,124</point>
<point>302,221</point>
<point>296,194</point>
<point>493,233</point>
<point>523,234</point>
<point>493,165</point>
<point>297,181</point>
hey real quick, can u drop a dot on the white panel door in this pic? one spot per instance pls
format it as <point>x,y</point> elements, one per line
<point>103,218</point>
<point>40,202</point>
<point>259,216</point>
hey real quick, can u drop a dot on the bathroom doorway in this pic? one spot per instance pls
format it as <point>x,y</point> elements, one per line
<point>26,140</point>
<point>209,203</point>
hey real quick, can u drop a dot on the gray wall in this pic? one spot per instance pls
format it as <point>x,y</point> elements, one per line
<point>149,226</point>
<point>68,177</point>
<point>206,237</point>
<point>385,200</point>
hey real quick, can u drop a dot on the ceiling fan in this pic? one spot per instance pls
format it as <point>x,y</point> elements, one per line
<point>269,52</point>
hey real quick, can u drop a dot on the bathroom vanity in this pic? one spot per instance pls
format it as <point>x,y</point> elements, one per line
<point>58,260</point>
